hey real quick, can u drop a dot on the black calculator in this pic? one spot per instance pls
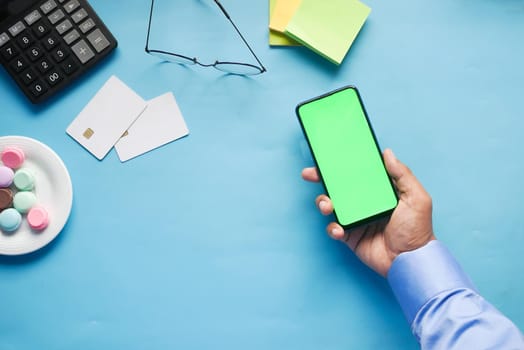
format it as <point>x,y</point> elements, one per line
<point>45,44</point>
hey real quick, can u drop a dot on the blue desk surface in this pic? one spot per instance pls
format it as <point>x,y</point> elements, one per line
<point>213,241</point>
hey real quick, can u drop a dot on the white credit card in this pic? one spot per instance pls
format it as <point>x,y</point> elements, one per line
<point>161,123</point>
<point>106,117</point>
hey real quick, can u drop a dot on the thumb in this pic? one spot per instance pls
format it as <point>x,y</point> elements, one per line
<point>402,176</point>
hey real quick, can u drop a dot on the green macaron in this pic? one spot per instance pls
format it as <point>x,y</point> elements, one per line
<point>23,201</point>
<point>24,179</point>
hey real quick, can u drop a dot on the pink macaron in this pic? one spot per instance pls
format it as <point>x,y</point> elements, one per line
<point>38,218</point>
<point>13,157</point>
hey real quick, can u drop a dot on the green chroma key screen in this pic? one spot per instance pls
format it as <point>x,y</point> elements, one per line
<point>347,156</point>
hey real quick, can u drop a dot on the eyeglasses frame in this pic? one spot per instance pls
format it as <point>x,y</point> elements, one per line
<point>194,60</point>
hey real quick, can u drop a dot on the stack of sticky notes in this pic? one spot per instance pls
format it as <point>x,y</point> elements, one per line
<point>280,12</point>
<point>327,27</point>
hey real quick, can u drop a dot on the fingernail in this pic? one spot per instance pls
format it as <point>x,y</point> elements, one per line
<point>337,231</point>
<point>393,154</point>
<point>322,205</point>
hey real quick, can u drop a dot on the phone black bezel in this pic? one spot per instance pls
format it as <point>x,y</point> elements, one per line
<point>368,219</point>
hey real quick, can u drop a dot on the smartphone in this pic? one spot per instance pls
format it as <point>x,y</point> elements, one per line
<point>348,157</point>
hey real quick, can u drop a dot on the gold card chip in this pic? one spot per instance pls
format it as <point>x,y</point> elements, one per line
<point>88,133</point>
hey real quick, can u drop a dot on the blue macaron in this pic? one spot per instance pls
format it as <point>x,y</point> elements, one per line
<point>10,220</point>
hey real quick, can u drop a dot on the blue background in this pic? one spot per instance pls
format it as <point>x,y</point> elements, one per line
<point>214,241</point>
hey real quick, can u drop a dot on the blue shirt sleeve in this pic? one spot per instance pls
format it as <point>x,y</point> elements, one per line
<point>443,307</point>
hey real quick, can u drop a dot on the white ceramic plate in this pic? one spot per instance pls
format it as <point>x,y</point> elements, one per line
<point>53,190</point>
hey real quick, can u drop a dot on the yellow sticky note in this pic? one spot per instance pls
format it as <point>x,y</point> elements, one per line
<point>276,38</point>
<point>279,39</point>
<point>282,14</point>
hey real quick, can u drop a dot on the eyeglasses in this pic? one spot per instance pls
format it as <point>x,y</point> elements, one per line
<point>237,68</point>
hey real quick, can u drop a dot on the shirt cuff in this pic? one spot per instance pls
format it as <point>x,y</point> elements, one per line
<point>417,276</point>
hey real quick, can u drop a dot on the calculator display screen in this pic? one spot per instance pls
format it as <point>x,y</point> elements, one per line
<point>13,7</point>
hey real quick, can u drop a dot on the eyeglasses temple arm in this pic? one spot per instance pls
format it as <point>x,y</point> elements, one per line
<point>149,25</point>
<point>238,31</point>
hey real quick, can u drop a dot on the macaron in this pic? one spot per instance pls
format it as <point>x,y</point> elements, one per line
<point>6,176</point>
<point>10,220</point>
<point>38,218</point>
<point>23,201</point>
<point>6,198</point>
<point>13,157</point>
<point>24,179</point>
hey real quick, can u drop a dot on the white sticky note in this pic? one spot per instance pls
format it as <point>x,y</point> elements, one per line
<point>161,123</point>
<point>106,117</point>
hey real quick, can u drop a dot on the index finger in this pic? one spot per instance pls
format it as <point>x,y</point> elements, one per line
<point>310,174</point>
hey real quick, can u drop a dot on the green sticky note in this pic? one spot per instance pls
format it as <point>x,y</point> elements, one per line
<point>328,27</point>
<point>276,38</point>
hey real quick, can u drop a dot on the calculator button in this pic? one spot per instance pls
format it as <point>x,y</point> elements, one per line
<point>71,6</point>
<point>38,88</point>
<point>17,28</point>
<point>87,25</point>
<point>64,26</point>
<point>44,65</point>
<point>50,42</point>
<point>19,64</point>
<point>98,40</point>
<point>53,77</point>
<point>32,17</point>
<point>9,52</point>
<point>40,29</point>
<point>71,37</point>
<point>28,76</point>
<point>48,6</point>
<point>59,54</point>
<point>83,51</point>
<point>25,40</point>
<point>4,38</point>
<point>35,53</point>
<point>79,15</point>
<point>56,16</point>
<point>69,66</point>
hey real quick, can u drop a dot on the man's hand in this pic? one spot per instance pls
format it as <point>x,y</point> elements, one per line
<point>409,227</point>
